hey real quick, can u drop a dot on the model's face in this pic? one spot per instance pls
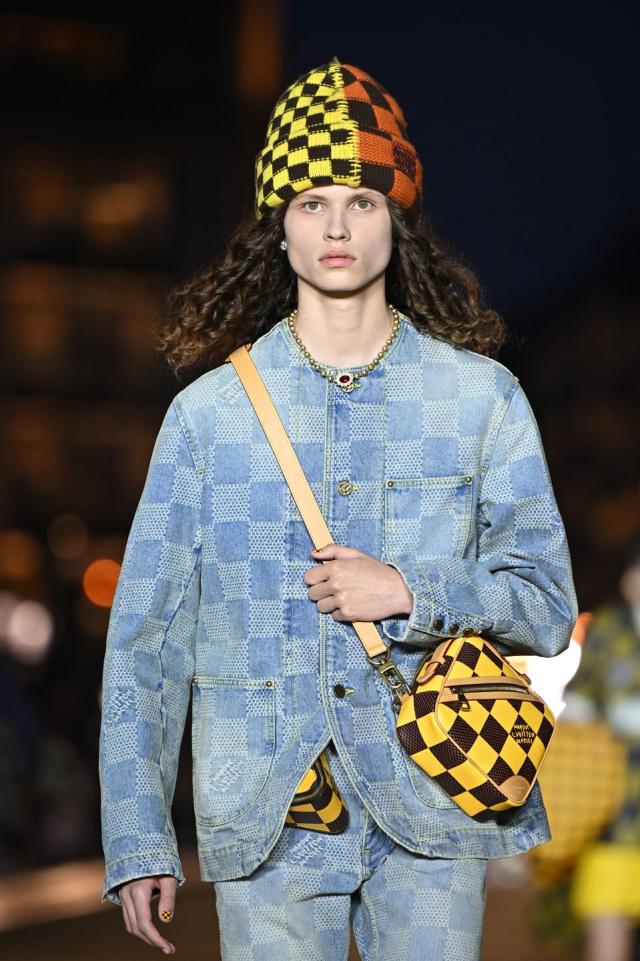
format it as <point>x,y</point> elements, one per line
<point>355,221</point>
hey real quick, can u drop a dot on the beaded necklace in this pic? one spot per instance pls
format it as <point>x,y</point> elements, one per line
<point>345,379</point>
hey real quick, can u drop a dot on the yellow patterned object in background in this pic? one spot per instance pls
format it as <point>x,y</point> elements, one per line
<point>607,881</point>
<point>317,804</point>
<point>583,785</point>
<point>474,724</point>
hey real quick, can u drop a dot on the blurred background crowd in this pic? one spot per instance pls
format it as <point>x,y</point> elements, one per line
<point>129,143</point>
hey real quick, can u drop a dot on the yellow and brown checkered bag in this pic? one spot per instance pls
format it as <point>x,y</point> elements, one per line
<point>475,726</point>
<point>317,804</point>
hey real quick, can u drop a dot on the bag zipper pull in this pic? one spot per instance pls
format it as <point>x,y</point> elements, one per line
<point>462,697</point>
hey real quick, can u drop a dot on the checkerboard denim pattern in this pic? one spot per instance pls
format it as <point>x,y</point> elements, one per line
<point>451,487</point>
<point>402,906</point>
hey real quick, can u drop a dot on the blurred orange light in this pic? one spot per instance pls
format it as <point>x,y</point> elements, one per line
<point>100,580</point>
<point>67,535</point>
<point>123,204</point>
<point>259,51</point>
<point>20,554</point>
<point>581,625</point>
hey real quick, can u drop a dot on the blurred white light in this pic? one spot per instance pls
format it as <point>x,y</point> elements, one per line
<point>8,602</point>
<point>29,631</point>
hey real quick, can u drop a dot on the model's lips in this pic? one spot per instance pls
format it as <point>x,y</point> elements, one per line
<point>337,260</point>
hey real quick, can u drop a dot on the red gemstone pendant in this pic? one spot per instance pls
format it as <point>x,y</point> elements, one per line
<point>345,380</point>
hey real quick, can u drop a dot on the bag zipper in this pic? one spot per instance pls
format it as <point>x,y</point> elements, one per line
<point>459,689</point>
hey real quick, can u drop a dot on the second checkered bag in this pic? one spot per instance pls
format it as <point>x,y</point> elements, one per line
<point>474,724</point>
<point>317,804</point>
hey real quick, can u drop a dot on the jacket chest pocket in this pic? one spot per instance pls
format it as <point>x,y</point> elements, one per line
<point>233,741</point>
<point>427,517</point>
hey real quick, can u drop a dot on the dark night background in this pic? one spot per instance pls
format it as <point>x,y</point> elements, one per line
<point>129,144</point>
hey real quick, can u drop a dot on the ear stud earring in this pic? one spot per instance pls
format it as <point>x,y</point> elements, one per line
<point>283,245</point>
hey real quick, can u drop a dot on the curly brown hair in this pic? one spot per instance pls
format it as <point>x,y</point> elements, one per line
<point>251,287</point>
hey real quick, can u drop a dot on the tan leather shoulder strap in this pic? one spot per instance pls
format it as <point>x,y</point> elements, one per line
<point>294,475</point>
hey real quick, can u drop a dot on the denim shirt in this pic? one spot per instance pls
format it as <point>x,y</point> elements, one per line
<point>433,465</point>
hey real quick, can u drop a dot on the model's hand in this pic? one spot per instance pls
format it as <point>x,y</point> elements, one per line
<point>136,907</point>
<point>353,586</point>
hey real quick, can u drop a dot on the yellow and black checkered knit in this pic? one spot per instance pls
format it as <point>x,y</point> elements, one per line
<point>336,125</point>
<point>475,728</point>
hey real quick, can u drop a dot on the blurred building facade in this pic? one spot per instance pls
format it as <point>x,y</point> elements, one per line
<point>130,154</point>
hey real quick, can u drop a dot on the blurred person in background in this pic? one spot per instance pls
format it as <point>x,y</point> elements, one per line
<point>606,883</point>
<point>425,453</point>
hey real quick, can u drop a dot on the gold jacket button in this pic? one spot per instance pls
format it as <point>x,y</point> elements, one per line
<point>345,487</point>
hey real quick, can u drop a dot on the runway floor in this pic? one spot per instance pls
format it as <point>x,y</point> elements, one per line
<point>97,933</point>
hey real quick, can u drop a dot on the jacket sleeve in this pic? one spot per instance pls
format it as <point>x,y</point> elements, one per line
<point>518,589</point>
<point>149,664</point>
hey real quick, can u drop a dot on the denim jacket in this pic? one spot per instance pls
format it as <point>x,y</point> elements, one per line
<point>433,465</point>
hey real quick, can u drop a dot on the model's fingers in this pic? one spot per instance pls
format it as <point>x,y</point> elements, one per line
<point>125,913</point>
<point>128,909</point>
<point>329,604</point>
<point>316,575</point>
<point>167,902</point>
<point>317,591</point>
<point>126,896</point>
<point>147,930</point>
<point>133,917</point>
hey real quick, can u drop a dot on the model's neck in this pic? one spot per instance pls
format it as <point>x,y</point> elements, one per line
<point>344,336</point>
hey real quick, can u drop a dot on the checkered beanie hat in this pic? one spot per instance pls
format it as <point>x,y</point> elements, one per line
<point>336,125</point>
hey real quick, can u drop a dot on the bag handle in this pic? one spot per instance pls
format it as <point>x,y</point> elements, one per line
<point>376,650</point>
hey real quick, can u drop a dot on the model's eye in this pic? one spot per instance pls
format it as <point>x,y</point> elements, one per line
<point>316,203</point>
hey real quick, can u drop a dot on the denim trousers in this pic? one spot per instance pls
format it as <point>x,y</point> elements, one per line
<point>298,904</point>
